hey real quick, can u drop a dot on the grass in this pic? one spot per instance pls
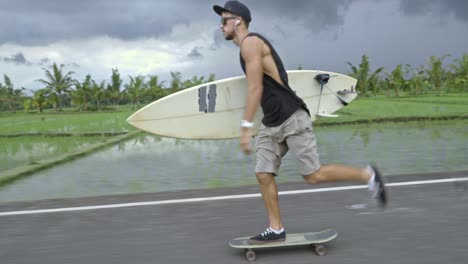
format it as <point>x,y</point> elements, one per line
<point>364,108</point>
<point>65,122</point>
<point>445,99</point>
<point>26,154</point>
<point>392,108</point>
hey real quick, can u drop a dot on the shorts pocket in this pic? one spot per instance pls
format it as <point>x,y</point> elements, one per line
<point>304,122</point>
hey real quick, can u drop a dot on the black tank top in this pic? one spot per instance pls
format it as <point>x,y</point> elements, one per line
<point>278,102</point>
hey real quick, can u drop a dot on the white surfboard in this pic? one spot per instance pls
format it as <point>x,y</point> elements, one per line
<point>214,110</point>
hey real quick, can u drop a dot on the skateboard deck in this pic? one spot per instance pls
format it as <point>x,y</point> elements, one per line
<point>312,238</point>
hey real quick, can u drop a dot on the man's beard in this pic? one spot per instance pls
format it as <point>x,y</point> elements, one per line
<point>230,36</point>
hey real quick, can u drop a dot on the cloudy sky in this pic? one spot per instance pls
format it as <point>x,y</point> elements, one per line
<point>159,36</point>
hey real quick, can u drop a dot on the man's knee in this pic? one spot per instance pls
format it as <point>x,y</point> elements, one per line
<point>264,178</point>
<point>314,178</point>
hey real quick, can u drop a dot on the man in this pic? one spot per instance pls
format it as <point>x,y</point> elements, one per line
<point>286,124</point>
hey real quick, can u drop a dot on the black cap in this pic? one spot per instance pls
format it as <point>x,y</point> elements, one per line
<point>236,8</point>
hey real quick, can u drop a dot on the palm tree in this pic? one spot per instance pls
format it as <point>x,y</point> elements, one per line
<point>3,95</point>
<point>135,89</point>
<point>211,78</point>
<point>374,80</point>
<point>155,89</point>
<point>113,89</point>
<point>39,99</point>
<point>98,92</point>
<point>27,104</point>
<point>193,82</point>
<point>365,80</point>
<point>10,95</point>
<point>461,67</point>
<point>57,83</point>
<point>197,81</point>
<point>459,81</point>
<point>176,82</point>
<point>396,79</point>
<point>436,72</point>
<point>82,94</point>
<point>416,83</point>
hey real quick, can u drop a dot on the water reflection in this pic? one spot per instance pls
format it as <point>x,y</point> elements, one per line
<point>20,151</point>
<point>149,163</point>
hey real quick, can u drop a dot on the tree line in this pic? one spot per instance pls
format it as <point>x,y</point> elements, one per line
<point>430,78</point>
<point>62,90</point>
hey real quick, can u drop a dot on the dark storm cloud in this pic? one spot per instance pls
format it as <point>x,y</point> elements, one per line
<point>44,61</point>
<point>20,59</point>
<point>17,59</point>
<point>195,54</point>
<point>315,14</point>
<point>28,22</point>
<point>459,8</point>
<point>41,22</point>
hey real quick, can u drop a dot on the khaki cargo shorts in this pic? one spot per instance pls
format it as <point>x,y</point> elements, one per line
<point>295,134</point>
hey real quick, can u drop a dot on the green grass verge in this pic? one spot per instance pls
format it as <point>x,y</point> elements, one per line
<point>379,109</point>
<point>65,122</point>
<point>364,109</point>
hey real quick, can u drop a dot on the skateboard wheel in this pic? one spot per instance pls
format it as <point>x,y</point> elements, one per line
<point>320,250</point>
<point>250,255</point>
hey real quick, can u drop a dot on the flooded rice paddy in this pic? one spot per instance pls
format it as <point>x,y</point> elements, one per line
<point>151,164</point>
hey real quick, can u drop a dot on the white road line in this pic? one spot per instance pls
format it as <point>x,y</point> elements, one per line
<point>219,198</point>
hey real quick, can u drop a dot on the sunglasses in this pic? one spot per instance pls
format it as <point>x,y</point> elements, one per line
<point>224,20</point>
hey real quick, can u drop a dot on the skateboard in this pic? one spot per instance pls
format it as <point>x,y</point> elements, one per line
<point>315,239</point>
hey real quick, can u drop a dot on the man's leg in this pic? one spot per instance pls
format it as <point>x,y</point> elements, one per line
<point>335,172</point>
<point>370,175</point>
<point>268,161</point>
<point>304,147</point>
<point>269,191</point>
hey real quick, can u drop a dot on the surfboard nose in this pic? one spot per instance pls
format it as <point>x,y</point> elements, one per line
<point>131,119</point>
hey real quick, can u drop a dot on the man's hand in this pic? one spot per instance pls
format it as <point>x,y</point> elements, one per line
<point>246,135</point>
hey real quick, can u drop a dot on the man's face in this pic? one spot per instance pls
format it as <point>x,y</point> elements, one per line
<point>228,21</point>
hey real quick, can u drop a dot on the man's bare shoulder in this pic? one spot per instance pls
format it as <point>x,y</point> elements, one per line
<point>251,45</point>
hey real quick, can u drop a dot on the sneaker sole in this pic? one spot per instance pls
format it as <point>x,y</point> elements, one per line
<point>258,242</point>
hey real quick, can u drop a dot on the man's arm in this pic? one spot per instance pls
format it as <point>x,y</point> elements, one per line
<point>252,53</point>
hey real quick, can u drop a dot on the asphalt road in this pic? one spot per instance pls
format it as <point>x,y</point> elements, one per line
<point>426,222</point>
